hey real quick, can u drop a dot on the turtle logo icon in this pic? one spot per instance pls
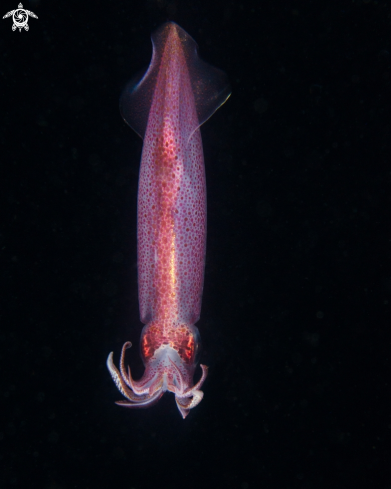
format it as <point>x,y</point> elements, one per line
<point>20,16</point>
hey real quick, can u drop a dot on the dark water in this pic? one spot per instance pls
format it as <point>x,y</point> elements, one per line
<point>296,312</point>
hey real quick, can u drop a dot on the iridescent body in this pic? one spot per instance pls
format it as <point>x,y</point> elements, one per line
<point>176,95</point>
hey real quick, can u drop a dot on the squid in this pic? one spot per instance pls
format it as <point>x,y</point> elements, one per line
<point>166,107</point>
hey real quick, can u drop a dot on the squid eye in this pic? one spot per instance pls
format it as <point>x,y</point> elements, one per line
<point>197,345</point>
<point>197,352</point>
<point>147,344</point>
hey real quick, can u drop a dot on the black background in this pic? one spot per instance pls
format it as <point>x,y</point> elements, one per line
<point>295,319</point>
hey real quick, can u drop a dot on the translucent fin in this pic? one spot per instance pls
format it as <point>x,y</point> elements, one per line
<point>210,85</point>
